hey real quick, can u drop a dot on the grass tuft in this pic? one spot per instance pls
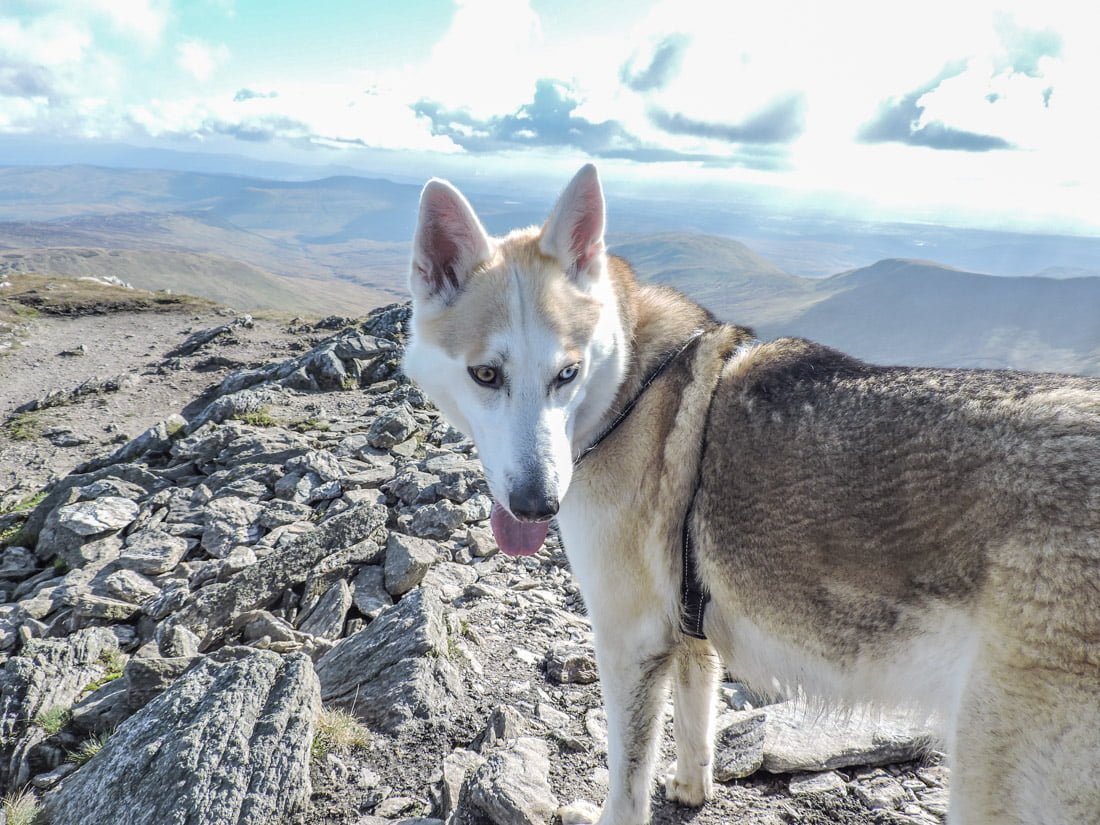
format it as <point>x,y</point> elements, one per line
<point>257,418</point>
<point>337,730</point>
<point>88,748</point>
<point>20,807</point>
<point>54,719</point>
<point>115,662</point>
<point>23,427</point>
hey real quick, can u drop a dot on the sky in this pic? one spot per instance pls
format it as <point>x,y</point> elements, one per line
<point>972,112</point>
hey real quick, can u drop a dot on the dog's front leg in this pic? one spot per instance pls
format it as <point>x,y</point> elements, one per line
<point>695,675</point>
<point>634,664</point>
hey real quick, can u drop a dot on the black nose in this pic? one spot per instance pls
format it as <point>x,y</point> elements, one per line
<point>532,503</point>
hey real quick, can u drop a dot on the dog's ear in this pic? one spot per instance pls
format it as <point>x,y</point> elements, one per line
<point>574,231</point>
<point>449,242</point>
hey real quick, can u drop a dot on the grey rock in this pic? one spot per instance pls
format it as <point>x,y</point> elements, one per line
<point>368,591</point>
<point>324,464</point>
<point>89,518</point>
<point>352,536</point>
<point>18,563</point>
<point>148,678</point>
<point>130,586</point>
<point>162,765</point>
<point>435,521</point>
<point>48,673</point>
<point>457,766</point>
<point>396,669</point>
<point>391,427</point>
<point>327,618</point>
<point>176,640</point>
<point>87,606</point>
<point>505,725</point>
<point>259,624</point>
<point>296,487</point>
<point>481,542</point>
<point>739,745</point>
<point>800,740</point>
<point>881,792</point>
<point>47,780</point>
<point>197,340</point>
<point>104,709</point>
<point>407,560</point>
<point>153,551</point>
<point>450,579</point>
<point>807,784</point>
<point>511,787</point>
<point>173,596</point>
<point>280,513</point>
<point>567,663</point>
<point>230,521</point>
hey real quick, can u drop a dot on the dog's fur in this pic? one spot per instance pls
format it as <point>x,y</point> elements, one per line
<point>883,534</point>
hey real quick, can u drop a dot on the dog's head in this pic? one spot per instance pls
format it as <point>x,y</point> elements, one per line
<point>519,341</point>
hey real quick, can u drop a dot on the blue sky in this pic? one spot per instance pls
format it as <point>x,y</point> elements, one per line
<point>979,111</point>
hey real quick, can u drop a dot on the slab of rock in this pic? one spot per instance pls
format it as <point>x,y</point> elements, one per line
<point>805,784</point>
<point>798,739</point>
<point>511,787</point>
<point>148,678</point>
<point>89,518</point>
<point>368,591</point>
<point>407,560</point>
<point>396,668</point>
<point>230,521</point>
<point>391,427</point>
<point>152,551</point>
<point>47,674</point>
<point>130,586</point>
<point>228,743</point>
<point>739,745</point>
<point>327,618</point>
<point>351,536</point>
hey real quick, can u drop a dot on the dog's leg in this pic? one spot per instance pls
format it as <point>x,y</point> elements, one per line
<point>695,675</point>
<point>633,679</point>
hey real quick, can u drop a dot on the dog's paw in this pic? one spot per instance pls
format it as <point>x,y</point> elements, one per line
<point>689,787</point>
<point>579,812</point>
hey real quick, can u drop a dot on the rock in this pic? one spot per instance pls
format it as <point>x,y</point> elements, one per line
<point>44,781</point>
<point>368,591</point>
<point>89,518</point>
<point>90,606</point>
<point>103,709</point>
<point>130,587</point>
<point>881,792</point>
<point>407,560</point>
<point>327,618</point>
<point>351,536</point>
<point>47,674</point>
<point>153,551</point>
<point>200,339</point>
<point>148,678</point>
<point>323,464</point>
<point>163,764</point>
<point>505,725</point>
<point>805,784</point>
<point>739,745</point>
<point>396,668</point>
<point>230,521</point>
<point>435,521</point>
<point>176,640</point>
<point>595,723</point>
<point>511,787</point>
<point>391,427</point>
<point>457,766</point>
<point>566,663</point>
<point>798,740</point>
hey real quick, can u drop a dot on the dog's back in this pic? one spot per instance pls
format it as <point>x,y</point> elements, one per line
<point>918,534</point>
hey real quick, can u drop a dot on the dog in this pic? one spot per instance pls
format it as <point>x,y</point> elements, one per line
<point>864,533</point>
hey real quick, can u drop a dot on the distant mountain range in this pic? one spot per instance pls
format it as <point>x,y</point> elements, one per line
<point>341,245</point>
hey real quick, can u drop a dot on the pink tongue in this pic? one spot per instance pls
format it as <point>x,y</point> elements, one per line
<point>514,537</point>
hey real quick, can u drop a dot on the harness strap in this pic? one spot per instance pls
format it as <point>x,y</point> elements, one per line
<point>693,596</point>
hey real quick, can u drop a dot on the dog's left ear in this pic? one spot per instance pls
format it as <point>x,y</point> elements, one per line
<point>448,244</point>
<point>574,231</point>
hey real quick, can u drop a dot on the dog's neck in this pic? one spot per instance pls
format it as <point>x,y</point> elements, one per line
<point>657,321</point>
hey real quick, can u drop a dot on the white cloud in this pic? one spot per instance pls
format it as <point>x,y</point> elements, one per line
<point>201,60</point>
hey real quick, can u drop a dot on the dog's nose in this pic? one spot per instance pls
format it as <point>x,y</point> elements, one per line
<point>532,504</point>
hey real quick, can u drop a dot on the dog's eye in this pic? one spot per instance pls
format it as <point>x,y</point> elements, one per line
<point>568,374</point>
<point>486,376</point>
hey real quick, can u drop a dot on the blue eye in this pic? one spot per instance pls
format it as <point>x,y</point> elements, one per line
<point>568,374</point>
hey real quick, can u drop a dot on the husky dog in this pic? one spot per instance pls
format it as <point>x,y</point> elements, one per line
<point>882,534</point>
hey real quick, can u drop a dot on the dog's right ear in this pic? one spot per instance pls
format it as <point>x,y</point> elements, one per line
<point>449,242</point>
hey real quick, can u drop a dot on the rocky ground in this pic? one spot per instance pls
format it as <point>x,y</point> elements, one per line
<point>282,604</point>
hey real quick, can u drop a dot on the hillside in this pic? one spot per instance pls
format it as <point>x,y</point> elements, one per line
<point>224,280</point>
<point>917,312</point>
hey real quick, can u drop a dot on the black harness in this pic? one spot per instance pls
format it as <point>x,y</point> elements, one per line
<point>693,596</point>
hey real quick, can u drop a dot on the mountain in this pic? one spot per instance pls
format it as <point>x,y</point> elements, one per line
<point>220,279</point>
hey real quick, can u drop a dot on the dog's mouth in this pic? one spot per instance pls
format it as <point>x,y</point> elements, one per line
<point>515,537</point>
